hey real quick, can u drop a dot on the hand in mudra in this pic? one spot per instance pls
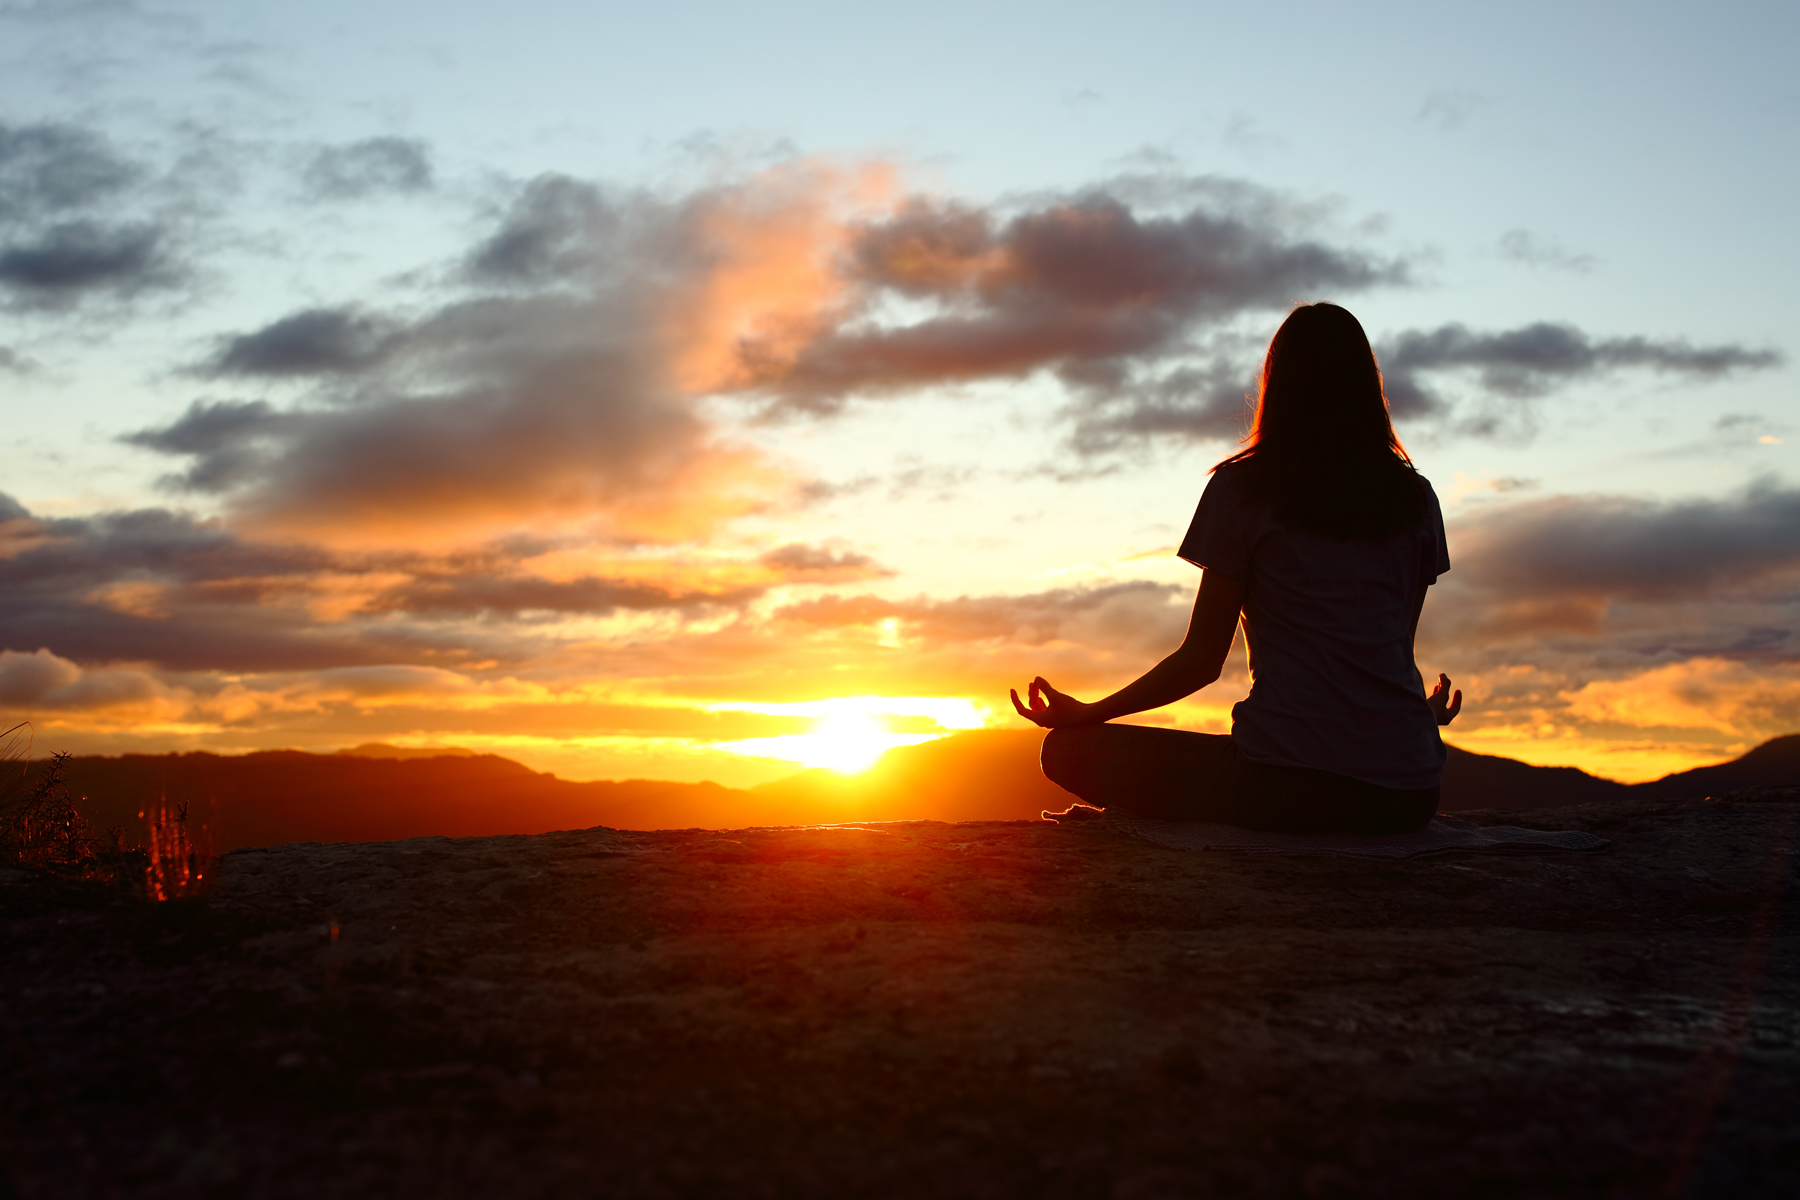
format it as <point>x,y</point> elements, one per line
<point>1444,704</point>
<point>1049,707</point>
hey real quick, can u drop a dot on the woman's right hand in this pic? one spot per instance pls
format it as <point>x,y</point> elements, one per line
<point>1050,708</point>
<point>1444,704</point>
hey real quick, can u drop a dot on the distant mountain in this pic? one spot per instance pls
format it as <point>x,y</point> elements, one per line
<point>383,750</point>
<point>1774,762</point>
<point>985,775</point>
<point>288,796</point>
<point>1489,781</point>
<point>982,775</point>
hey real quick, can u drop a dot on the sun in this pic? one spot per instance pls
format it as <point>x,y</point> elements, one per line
<point>844,742</point>
<point>848,734</point>
<point>847,742</point>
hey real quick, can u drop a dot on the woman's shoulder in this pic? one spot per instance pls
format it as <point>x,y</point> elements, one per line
<point>1433,509</point>
<point>1233,475</point>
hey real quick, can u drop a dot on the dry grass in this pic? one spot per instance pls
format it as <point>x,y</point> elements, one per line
<point>177,866</point>
<point>42,829</point>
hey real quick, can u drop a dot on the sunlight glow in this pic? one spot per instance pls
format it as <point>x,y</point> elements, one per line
<point>951,712</point>
<point>844,742</point>
<point>850,732</point>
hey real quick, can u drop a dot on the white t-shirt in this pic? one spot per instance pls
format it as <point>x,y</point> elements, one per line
<point>1333,683</point>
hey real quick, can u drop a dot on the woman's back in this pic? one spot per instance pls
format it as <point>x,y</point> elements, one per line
<point>1329,625</point>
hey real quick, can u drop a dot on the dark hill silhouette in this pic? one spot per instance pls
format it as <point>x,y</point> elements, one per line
<point>280,796</point>
<point>983,775</point>
<point>383,750</point>
<point>1490,781</point>
<point>288,796</point>
<point>1776,761</point>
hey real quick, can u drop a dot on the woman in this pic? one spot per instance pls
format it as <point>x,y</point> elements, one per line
<point>1323,536</point>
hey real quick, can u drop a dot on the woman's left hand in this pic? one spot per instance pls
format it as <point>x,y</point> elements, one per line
<point>1444,704</point>
<point>1051,708</point>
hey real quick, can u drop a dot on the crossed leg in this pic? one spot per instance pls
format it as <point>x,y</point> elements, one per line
<point>1174,775</point>
<point>1165,773</point>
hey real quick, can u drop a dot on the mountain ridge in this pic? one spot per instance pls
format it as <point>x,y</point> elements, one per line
<point>270,797</point>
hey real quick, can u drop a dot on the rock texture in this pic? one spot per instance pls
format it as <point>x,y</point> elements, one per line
<point>973,1010</point>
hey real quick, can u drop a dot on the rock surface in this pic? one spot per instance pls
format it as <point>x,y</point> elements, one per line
<point>980,1010</point>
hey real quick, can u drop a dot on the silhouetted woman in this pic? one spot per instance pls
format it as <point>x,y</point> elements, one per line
<point>1323,537</point>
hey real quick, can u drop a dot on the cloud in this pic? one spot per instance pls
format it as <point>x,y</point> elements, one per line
<point>556,434</point>
<point>188,594</point>
<point>1086,286</point>
<point>61,238</point>
<point>314,341</point>
<point>816,564</point>
<point>1627,548</point>
<point>1533,359</point>
<point>1130,615</point>
<point>62,261</point>
<point>222,437</point>
<point>160,587</point>
<point>42,681</point>
<point>1743,702</point>
<point>357,170</point>
<point>572,374</point>
<point>564,386</point>
<point>1212,398</point>
<point>52,168</point>
<point>558,228</point>
<point>1449,109</point>
<point>1629,636</point>
<point>1604,587</point>
<point>1535,250</point>
<point>1212,401</point>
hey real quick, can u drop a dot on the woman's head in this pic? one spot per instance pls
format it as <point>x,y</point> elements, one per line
<point>1323,450</point>
<point>1321,387</point>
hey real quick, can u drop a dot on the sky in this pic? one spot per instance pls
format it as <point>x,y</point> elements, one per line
<point>697,391</point>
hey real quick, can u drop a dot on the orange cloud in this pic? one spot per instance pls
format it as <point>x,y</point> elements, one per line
<point>772,283</point>
<point>1714,695</point>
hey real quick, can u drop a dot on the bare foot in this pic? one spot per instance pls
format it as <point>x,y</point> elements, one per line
<point>1074,813</point>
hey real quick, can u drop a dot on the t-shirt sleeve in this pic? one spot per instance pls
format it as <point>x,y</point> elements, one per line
<point>1435,547</point>
<point>1218,538</point>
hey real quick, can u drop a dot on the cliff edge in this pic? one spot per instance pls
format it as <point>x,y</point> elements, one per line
<point>921,1009</point>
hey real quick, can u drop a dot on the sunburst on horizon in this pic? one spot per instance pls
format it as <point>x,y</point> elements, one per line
<point>849,733</point>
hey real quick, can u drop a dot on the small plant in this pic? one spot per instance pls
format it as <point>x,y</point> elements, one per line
<point>177,866</point>
<point>40,827</point>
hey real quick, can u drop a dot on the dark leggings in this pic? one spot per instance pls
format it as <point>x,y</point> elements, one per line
<point>1180,776</point>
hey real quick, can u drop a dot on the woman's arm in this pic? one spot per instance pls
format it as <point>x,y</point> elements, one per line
<point>1444,705</point>
<point>1193,665</point>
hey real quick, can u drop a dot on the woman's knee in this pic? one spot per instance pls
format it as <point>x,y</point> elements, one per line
<point>1064,753</point>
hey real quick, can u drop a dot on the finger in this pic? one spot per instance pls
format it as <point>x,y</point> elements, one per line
<point>1455,704</point>
<point>1023,711</point>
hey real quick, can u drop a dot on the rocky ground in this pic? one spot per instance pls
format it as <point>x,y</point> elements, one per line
<point>989,1009</point>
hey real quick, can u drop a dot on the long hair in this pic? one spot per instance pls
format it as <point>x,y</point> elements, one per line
<point>1323,452</point>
